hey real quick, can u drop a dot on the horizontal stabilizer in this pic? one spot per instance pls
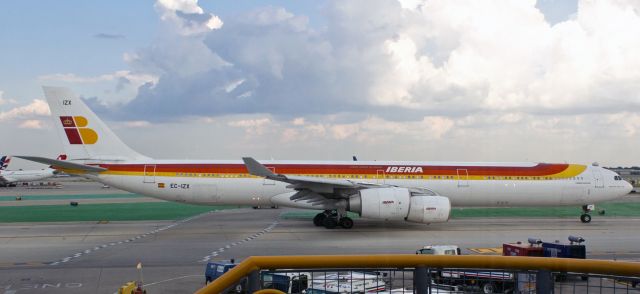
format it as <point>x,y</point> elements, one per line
<point>64,164</point>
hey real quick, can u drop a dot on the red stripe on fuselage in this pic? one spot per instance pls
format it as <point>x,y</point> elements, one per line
<point>541,169</point>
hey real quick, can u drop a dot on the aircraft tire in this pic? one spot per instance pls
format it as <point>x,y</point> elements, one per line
<point>330,223</point>
<point>585,218</point>
<point>318,220</point>
<point>346,222</point>
<point>488,288</point>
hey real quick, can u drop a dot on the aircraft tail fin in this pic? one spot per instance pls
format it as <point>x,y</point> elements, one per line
<point>4,162</point>
<point>83,135</point>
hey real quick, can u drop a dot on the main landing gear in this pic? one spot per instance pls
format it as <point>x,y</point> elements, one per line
<point>330,219</point>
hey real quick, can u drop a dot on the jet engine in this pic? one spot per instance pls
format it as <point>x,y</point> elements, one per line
<point>400,204</point>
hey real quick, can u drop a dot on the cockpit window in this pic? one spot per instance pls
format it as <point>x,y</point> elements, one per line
<point>617,178</point>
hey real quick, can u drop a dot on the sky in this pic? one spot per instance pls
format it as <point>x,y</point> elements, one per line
<point>434,80</point>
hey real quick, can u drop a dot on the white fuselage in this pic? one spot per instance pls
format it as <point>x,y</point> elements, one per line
<point>574,185</point>
<point>9,176</point>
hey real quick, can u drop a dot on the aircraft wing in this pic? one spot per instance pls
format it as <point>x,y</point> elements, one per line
<point>257,169</point>
<point>319,191</point>
<point>329,188</point>
<point>64,164</point>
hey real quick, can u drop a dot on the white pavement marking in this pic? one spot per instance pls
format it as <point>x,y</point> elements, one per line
<point>254,236</point>
<point>172,279</point>
<point>132,239</point>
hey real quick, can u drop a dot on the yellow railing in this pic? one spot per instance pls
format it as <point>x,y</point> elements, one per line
<point>411,260</point>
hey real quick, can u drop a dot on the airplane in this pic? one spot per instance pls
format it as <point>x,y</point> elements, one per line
<point>412,191</point>
<point>4,162</point>
<point>10,177</point>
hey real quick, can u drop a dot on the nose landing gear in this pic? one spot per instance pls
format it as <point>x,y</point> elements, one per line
<point>330,219</point>
<point>586,217</point>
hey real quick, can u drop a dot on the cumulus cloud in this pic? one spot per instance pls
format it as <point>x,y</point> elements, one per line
<point>252,126</point>
<point>187,16</point>
<point>421,78</point>
<point>32,124</point>
<point>36,108</point>
<point>412,57</point>
<point>137,79</point>
<point>476,137</point>
<point>113,88</point>
<point>4,101</point>
<point>137,124</point>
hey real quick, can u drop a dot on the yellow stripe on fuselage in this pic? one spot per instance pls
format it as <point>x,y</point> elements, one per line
<point>573,170</point>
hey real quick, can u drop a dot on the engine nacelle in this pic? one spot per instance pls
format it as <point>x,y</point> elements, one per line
<point>429,209</point>
<point>399,204</point>
<point>381,203</point>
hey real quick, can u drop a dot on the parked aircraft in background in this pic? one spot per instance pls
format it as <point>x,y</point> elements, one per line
<point>4,162</point>
<point>421,192</point>
<point>11,177</point>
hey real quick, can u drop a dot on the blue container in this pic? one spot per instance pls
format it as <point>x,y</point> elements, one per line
<point>564,250</point>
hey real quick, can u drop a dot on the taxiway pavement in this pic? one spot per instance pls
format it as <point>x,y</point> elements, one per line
<point>98,258</point>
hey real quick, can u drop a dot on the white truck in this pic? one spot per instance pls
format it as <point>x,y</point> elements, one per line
<point>439,250</point>
<point>354,282</point>
<point>469,280</point>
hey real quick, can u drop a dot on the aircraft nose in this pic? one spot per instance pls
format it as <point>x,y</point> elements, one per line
<point>627,187</point>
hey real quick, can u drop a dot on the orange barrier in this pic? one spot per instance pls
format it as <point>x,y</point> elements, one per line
<point>269,291</point>
<point>411,261</point>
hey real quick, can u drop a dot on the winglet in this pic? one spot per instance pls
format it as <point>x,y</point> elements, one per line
<point>64,164</point>
<point>257,169</point>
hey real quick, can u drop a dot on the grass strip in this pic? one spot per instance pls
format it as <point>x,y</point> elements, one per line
<point>62,197</point>
<point>104,212</point>
<point>614,209</point>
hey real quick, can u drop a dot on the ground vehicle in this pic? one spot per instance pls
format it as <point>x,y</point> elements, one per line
<point>216,269</point>
<point>131,288</point>
<point>485,281</point>
<point>575,249</point>
<point>533,248</point>
<point>288,282</point>
<point>354,282</point>
<point>439,250</point>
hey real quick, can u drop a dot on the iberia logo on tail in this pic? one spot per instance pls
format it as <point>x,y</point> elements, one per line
<point>77,132</point>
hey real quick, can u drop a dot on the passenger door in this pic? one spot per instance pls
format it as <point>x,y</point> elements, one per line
<point>463,178</point>
<point>598,179</point>
<point>149,173</point>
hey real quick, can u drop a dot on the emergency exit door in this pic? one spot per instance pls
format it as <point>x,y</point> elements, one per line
<point>463,177</point>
